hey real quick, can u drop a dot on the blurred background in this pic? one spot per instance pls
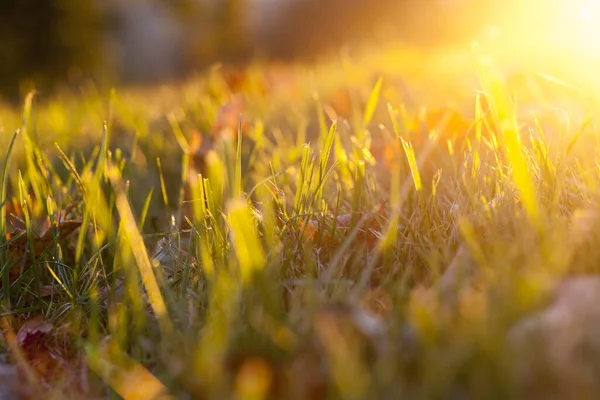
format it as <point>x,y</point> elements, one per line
<point>45,44</point>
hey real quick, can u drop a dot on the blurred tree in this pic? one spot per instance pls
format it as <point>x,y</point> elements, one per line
<point>312,27</point>
<point>232,26</point>
<point>217,30</point>
<point>44,41</point>
<point>307,28</point>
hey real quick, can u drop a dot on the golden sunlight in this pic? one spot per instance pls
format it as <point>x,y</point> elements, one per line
<point>557,37</point>
<point>554,27</point>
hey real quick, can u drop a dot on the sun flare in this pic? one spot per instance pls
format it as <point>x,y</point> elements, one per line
<point>557,36</point>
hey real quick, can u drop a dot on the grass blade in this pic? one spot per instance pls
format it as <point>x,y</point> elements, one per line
<point>372,103</point>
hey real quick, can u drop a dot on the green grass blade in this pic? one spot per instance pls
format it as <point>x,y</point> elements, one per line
<point>138,248</point>
<point>3,192</point>
<point>372,103</point>
<point>247,247</point>
<point>237,183</point>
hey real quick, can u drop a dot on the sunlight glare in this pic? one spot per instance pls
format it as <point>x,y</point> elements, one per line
<point>558,35</point>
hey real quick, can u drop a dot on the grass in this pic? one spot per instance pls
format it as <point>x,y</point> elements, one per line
<point>333,241</point>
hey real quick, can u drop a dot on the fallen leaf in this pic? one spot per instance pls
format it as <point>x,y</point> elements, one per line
<point>45,361</point>
<point>62,215</point>
<point>15,215</point>
<point>18,245</point>
<point>35,342</point>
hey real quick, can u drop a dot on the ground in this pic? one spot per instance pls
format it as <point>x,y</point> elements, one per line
<point>381,225</point>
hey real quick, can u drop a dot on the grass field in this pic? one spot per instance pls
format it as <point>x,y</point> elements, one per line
<point>373,227</point>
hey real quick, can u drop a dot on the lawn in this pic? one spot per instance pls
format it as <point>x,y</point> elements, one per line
<point>379,226</point>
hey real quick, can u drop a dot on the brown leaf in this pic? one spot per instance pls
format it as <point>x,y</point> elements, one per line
<point>15,215</point>
<point>46,357</point>
<point>18,246</point>
<point>34,339</point>
<point>62,215</point>
<point>65,228</point>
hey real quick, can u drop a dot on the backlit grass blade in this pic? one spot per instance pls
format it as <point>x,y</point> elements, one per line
<point>201,226</point>
<point>145,209</point>
<point>576,137</point>
<point>372,103</point>
<point>394,117</point>
<point>70,167</point>
<point>301,180</point>
<point>247,247</point>
<point>124,375</point>
<point>217,175</point>
<point>163,186</point>
<point>479,115</point>
<point>237,182</point>
<point>511,140</point>
<point>326,151</point>
<point>391,235</point>
<point>412,162</point>
<point>3,200</point>
<point>185,167</point>
<point>140,254</point>
<point>3,192</point>
<point>359,188</point>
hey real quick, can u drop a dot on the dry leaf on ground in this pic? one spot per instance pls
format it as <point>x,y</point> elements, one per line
<point>45,360</point>
<point>18,245</point>
<point>15,215</point>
